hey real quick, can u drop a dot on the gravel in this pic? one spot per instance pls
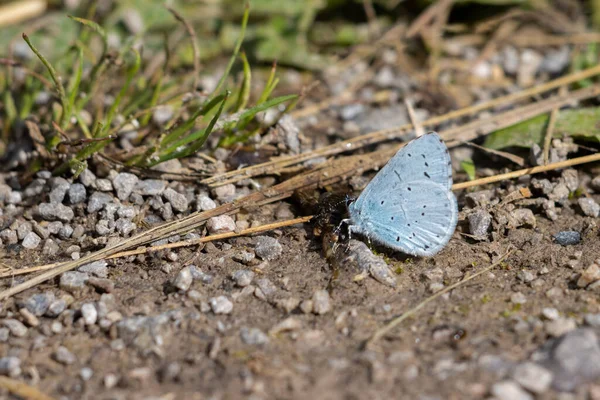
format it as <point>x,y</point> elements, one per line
<point>243,277</point>
<point>64,356</point>
<point>253,336</point>
<point>178,201</point>
<point>56,308</point>
<point>97,201</point>
<point>77,193</point>
<point>567,238</point>
<point>104,185</point>
<point>59,188</point>
<point>89,313</point>
<point>53,211</point>
<point>124,226</point>
<point>533,377</point>
<point>38,304</point>
<point>97,268</point>
<point>9,236</point>
<point>15,327</point>
<point>221,305</point>
<point>10,366</point>
<point>23,229</point>
<point>589,206</point>
<point>87,178</point>
<point>220,224</point>
<point>204,203</point>
<point>321,302</point>
<point>73,281</point>
<point>225,193</point>
<point>150,187</point>
<point>479,223</point>
<point>509,390</point>
<point>184,279</point>
<point>31,241</point>
<point>267,248</point>
<point>124,183</point>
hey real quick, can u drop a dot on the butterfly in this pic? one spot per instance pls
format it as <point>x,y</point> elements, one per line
<point>409,205</point>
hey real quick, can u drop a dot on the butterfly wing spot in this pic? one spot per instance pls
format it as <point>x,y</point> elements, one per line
<point>382,202</point>
<point>408,154</point>
<point>398,239</point>
<point>427,175</point>
<point>423,155</point>
<point>409,189</point>
<point>427,165</point>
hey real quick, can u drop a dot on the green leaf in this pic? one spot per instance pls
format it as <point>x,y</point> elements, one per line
<point>244,94</point>
<point>469,167</point>
<point>578,123</point>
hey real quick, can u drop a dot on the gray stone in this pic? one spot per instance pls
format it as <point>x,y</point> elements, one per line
<point>124,226</point>
<point>162,114</point>
<point>243,277</point>
<point>592,320</point>
<point>220,224</point>
<point>65,232</point>
<point>178,201</point>
<point>87,178</point>
<point>550,313</point>
<point>64,356</point>
<point>89,313</point>
<point>73,281</point>
<point>78,231</point>
<point>86,373</point>
<point>571,179</point>
<point>4,332</point>
<point>589,206</point>
<point>184,279</point>
<point>200,275</point>
<point>97,268</point>
<point>150,187</point>
<point>204,203</point>
<point>124,183</point>
<point>54,211</point>
<point>41,231</point>
<point>97,201</point>
<point>589,275</point>
<point>56,308</point>
<point>126,212</point>
<point>533,377</point>
<point>23,229</point>
<point>225,193</point>
<point>104,185</point>
<point>31,241</point>
<point>221,305</point>
<point>54,227</point>
<point>518,298</point>
<point>9,236</point>
<point>59,187</point>
<point>15,327</point>
<point>560,326</point>
<point>509,390</point>
<point>38,303</point>
<point>567,238</point>
<point>525,276</point>
<point>359,254</point>
<point>321,302</point>
<point>556,60</point>
<point>10,366</point>
<point>265,290</point>
<point>102,227</point>
<point>267,248</point>
<point>574,359</point>
<point>253,336</point>
<point>479,223</point>
<point>77,193</point>
<point>35,188</point>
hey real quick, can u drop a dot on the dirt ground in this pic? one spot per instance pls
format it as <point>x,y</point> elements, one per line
<point>455,348</point>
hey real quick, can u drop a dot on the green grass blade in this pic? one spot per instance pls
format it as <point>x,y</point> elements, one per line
<point>153,101</point>
<point>244,94</point>
<point>73,87</point>
<point>236,50</point>
<point>269,86</point>
<point>247,115</point>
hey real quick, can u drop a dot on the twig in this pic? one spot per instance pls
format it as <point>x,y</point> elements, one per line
<point>393,133</point>
<point>396,321</point>
<point>520,161</point>
<point>419,130</point>
<point>550,129</point>
<point>196,50</point>
<point>184,243</point>
<point>22,390</point>
<point>528,171</point>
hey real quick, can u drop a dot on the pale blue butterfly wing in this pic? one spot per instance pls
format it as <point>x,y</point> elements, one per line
<point>409,205</point>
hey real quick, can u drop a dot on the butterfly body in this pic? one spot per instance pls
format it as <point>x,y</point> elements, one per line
<point>409,205</point>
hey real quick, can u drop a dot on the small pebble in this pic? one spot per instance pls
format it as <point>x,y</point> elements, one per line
<point>533,377</point>
<point>225,193</point>
<point>97,201</point>
<point>124,183</point>
<point>204,203</point>
<point>220,224</point>
<point>10,366</point>
<point>97,268</point>
<point>479,223</point>
<point>567,238</point>
<point>56,308</point>
<point>89,313</point>
<point>243,277</point>
<point>560,326</point>
<point>73,281</point>
<point>38,303</point>
<point>59,186</point>
<point>9,236</point>
<point>184,279</point>
<point>54,211</point>
<point>267,248</point>
<point>321,302</point>
<point>589,206</point>
<point>221,305</point>
<point>150,187</point>
<point>64,356</point>
<point>509,390</point>
<point>253,336</point>
<point>86,373</point>
<point>15,327</point>
<point>77,193</point>
<point>178,201</point>
<point>31,241</point>
<point>589,275</point>
<point>550,313</point>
